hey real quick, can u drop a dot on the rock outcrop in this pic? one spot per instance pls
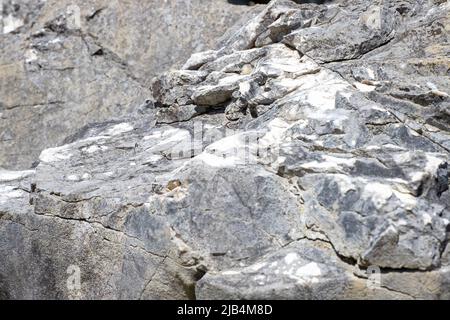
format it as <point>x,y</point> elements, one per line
<point>306,158</point>
<point>65,63</point>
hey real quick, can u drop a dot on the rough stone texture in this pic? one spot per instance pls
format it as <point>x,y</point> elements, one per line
<point>281,165</point>
<point>64,64</point>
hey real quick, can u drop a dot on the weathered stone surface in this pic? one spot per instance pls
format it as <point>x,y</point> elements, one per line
<point>272,167</point>
<point>302,270</point>
<point>64,64</point>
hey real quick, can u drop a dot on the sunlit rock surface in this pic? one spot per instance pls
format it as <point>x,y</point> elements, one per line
<point>66,63</point>
<point>306,158</point>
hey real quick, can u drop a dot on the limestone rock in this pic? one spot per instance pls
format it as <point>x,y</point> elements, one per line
<point>305,158</point>
<point>65,64</point>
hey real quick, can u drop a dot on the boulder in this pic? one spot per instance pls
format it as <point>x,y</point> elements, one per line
<point>269,168</point>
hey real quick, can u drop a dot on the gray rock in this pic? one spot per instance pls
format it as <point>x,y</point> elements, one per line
<point>65,64</point>
<point>269,168</point>
<point>302,270</point>
<point>365,29</point>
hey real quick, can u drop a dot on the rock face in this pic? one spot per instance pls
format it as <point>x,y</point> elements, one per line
<point>306,158</point>
<point>64,64</point>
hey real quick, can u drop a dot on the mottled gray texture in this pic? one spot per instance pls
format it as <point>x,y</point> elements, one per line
<point>65,63</point>
<point>335,162</point>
